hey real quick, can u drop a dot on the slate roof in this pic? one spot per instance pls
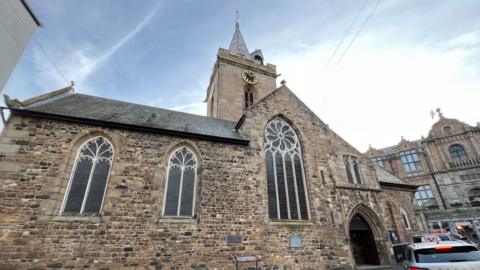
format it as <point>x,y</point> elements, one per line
<point>107,111</point>
<point>386,177</point>
<point>393,149</point>
<point>238,45</point>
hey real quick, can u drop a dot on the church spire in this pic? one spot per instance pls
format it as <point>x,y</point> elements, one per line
<point>238,45</point>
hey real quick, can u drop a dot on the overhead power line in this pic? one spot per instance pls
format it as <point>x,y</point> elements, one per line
<point>50,59</point>
<point>358,32</point>
<point>345,34</point>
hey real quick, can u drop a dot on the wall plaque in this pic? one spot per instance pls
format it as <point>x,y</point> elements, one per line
<point>234,239</point>
<point>295,241</point>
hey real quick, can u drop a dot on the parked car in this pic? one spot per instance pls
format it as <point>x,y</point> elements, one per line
<point>441,237</point>
<point>442,255</point>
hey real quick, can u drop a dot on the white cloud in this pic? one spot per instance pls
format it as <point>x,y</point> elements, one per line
<point>195,108</point>
<point>377,94</point>
<point>77,64</point>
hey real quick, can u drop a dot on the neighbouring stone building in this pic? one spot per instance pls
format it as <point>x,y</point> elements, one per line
<point>89,182</point>
<point>446,167</point>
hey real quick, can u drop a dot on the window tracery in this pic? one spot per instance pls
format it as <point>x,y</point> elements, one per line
<point>181,183</point>
<point>87,185</point>
<point>287,193</point>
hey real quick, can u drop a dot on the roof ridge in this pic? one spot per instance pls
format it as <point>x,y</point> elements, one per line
<point>40,99</point>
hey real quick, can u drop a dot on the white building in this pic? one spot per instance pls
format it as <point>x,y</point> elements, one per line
<point>17,24</point>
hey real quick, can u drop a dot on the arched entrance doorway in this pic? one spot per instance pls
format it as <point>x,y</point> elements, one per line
<point>362,241</point>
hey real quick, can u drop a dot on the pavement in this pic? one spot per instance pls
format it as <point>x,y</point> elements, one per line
<point>380,267</point>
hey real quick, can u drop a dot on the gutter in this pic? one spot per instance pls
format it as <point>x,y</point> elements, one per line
<point>403,186</point>
<point>124,126</point>
<point>30,12</point>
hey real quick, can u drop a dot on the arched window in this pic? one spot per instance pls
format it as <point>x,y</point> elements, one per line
<point>248,97</point>
<point>181,183</point>
<point>287,192</point>
<point>88,182</point>
<point>406,222</point>
<point>474,196</point>
<point>457,152</point>
<point>447,129</point>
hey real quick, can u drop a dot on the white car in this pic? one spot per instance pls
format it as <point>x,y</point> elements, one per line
<point>442,255</point>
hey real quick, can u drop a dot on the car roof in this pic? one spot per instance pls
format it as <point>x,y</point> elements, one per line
<point>441,243</point>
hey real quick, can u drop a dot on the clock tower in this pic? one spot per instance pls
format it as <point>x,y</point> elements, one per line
<point>239,79</point>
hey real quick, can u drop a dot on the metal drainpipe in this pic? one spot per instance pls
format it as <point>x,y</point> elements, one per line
<point>432,173</point>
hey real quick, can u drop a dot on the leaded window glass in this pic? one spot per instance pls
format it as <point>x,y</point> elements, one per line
<point>88,182</point>
<point>286,185</point>
<point>457,152</point>
<point>411,162</point>
<point>424,197</point>
<point>352,169</point>
<point>406,222</point>
<point>348,169</point>
<point>356,170</point>
<point>181,183</point>
<point>248,97</point>
<point>378,160</point>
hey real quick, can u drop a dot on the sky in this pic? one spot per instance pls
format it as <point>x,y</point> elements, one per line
<point>372,70</point>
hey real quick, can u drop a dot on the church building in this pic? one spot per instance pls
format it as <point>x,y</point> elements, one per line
<point>261,182</point>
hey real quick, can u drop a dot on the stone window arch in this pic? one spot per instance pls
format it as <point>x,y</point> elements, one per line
<point>474,196</point>
<point>181,183</point>
<point>457,152</point>
<point>248,97</point>
<point>447,130</point>
<point>88,181</point>
<point>406,221</point>
<point>287,191</point>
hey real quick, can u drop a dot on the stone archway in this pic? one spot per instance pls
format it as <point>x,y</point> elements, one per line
<point>368,237</point>
<point>362,243</point>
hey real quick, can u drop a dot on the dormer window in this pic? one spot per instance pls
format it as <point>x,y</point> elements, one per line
<point>411,162</point>
<point>447,130</point>
<point>378,160</point>
<point>259,59</point>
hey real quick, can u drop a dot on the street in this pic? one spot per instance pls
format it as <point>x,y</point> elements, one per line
<point>391,267</point>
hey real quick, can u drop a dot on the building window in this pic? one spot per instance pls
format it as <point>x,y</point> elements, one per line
<point>181,183</point>
<point>248,97</point>
<point>457,152</point>
<point>88,181</point>
<point>352,169</point>
<point>474,197</point>
<point>424,197</point>
<point>212,104</point>
<point>410,161</point>
<point>447,129</point>
<point>470,177</point>
<point>378,161</point>
<point>406,222</point>
<point>287,191</point>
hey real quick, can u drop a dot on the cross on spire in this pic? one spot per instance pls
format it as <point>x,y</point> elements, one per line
<point>238,45</point>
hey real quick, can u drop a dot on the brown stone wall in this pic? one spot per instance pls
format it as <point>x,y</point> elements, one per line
<point>393,200</point>
<point>36,161</point>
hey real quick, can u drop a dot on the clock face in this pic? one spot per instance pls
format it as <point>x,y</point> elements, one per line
<point>249,77</point>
